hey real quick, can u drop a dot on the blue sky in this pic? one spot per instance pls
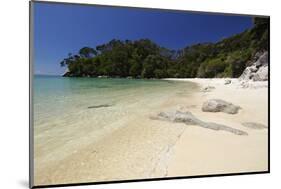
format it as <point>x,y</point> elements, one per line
<point>63,28</point>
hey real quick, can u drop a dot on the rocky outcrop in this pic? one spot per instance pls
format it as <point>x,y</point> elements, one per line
<point>258,70</point>
<point>262,59</point>
<point>261,74</point>
<point>189,119</point>
<point>254,125</point>
<point>217,105</point>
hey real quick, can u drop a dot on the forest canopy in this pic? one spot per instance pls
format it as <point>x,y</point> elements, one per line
<point>145,59</point>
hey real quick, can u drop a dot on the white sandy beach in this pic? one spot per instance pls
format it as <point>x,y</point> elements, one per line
<point>201,151</point>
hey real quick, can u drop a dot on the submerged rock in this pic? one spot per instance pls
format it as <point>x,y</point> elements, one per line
<point>100,106</point>
<point>217,105</point>
<point>189,119</point>
<point>254,125</point>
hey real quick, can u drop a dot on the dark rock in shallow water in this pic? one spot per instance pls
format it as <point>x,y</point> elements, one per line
<point>217,105</point>
<point>100,106</point>
<point>189,119</point>
<point>254,125</point>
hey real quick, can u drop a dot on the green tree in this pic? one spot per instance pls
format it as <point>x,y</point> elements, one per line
<point>87,52</point>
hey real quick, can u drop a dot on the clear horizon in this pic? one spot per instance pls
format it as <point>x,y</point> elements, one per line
<point>60,29</point>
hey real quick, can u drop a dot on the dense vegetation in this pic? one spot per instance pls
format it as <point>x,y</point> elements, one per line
<point>145,59</point>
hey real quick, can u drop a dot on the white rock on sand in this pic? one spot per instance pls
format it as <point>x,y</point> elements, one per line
<point>218,105</point>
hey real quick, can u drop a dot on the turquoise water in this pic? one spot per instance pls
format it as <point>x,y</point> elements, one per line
<point>73,115</point>
<point>55,96</point>
<point>66,116</point>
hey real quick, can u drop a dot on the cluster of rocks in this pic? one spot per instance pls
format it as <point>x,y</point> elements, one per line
<point>212,105</point>
<point>258,69</point>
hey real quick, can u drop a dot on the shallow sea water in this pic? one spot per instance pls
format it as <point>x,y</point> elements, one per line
<point>71,114</point>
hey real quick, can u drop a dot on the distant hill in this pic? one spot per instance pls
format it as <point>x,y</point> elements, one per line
<point>145,59</point>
